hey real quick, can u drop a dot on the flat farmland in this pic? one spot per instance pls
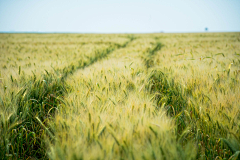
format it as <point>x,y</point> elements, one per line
<point>120,96</point>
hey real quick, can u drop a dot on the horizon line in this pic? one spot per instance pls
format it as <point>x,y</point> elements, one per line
<point>51,32</point>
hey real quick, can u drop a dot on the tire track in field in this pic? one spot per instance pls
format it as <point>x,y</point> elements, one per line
<point>90,88</point>
<point>91,60</point>
<point>110,50</point>
<point>148,57</point>
<point>113,90</point>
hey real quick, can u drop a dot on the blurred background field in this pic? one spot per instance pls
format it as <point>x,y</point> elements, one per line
<point>120,96</point>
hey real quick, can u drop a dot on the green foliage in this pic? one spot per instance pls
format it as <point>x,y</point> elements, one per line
<point>34,106</point>
<point>167,92</point>
<point>39,97</point>
<point>145,100</point>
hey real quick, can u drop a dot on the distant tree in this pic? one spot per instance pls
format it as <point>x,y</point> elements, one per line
<point>206,29</point>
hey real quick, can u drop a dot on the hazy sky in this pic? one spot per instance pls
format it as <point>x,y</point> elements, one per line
<point>119,16</point>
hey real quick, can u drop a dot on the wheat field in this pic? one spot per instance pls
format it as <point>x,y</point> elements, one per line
<point>120,96</point>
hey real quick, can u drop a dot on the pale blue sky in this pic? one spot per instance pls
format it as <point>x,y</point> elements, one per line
<point>119,16</point>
